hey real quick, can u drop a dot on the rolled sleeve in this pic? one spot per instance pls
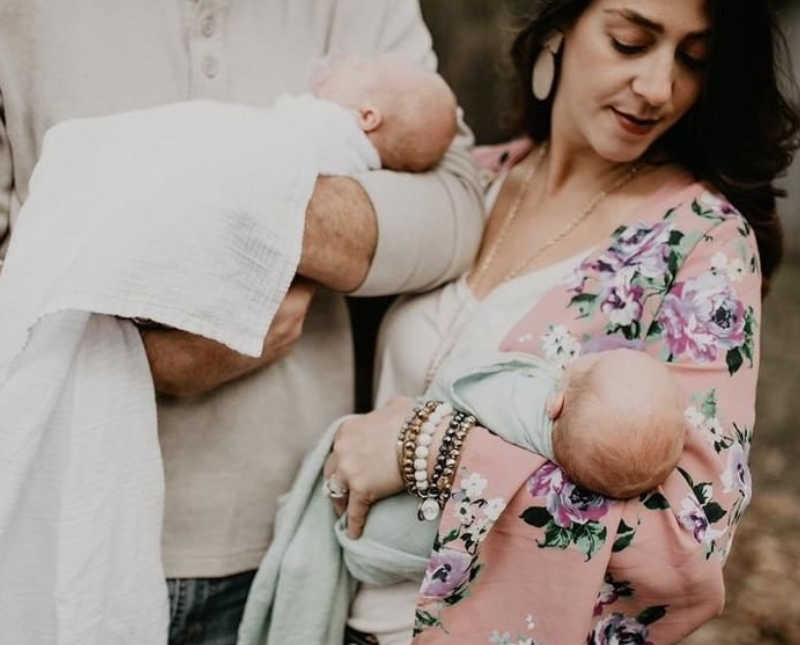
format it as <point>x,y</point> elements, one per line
<point>429,224</point>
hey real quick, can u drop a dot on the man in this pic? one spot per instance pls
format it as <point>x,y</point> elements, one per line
<point>234,429</point>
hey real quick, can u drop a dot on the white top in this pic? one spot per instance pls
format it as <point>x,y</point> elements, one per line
<point>412,333</point>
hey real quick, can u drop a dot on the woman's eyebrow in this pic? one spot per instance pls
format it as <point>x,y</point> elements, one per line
<point>642,21</point>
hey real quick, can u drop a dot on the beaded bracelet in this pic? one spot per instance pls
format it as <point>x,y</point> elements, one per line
<point>445,467</point>
<point>413,449</point>
<point>413,442</point>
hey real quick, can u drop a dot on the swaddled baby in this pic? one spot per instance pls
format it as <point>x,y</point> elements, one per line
<point>612,420</point>
<point>407,113</point>
<point>362,115</point>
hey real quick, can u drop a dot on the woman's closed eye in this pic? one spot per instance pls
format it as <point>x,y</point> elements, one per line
<point>692,62</point>
<point>628,48</point>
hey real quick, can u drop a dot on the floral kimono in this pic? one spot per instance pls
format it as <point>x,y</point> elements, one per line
<point>524,556</point>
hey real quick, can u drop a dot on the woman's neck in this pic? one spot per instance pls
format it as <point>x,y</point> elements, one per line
<point>570,164</point>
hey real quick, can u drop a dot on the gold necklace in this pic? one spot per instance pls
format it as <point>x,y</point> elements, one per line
<point>455,326</point>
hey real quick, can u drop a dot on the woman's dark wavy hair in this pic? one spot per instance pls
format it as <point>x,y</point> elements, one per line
<point>742,132</point>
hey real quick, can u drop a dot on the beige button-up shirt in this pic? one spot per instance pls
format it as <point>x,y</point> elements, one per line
<point>230,454</point>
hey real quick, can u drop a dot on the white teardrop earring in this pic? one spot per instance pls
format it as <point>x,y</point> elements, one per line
<point>544,69</point>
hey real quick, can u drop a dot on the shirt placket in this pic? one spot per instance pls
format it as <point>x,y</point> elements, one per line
<point>207,62</point>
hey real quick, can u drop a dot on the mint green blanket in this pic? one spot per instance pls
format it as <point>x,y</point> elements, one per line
<point>303,588</point>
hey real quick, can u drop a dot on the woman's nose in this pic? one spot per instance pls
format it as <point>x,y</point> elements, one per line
<point>654,83</point>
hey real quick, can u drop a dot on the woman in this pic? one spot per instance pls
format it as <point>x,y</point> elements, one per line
<point>612,232</point>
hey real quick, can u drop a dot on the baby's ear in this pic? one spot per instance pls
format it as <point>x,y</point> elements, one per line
<point>369,118</point>
<point>555,404</point>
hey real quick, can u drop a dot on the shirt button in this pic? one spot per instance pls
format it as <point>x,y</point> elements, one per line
<point>211,67</point>
<point>209,25</point>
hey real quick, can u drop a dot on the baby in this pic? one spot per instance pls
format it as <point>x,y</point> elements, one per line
<point>406,112</point>
<point>612,420</point>
<point>363,115</point>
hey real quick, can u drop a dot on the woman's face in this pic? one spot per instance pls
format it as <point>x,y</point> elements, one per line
<point>630,70</point>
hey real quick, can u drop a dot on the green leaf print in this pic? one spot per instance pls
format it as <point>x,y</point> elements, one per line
<point>625,535</point>
<point>556,536</point>
<point>588,537</point>
<point>734,360</point>
<point>655,501</point>
<point>537,516</point>
<point>714,512</point>
<point>652,614</point>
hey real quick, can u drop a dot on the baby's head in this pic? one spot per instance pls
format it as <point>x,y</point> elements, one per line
<point>618,427</point>
<point>408,113</point>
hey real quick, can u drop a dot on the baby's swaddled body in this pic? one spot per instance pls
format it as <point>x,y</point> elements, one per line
<point>611,421</point>
<point>395,546</point>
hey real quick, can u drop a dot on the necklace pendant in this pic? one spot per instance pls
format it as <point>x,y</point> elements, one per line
<point>428,510</point>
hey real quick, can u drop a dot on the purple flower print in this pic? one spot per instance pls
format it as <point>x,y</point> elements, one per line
<point>640,247</point>
<point>737,473</point>
<point>567,503</point>
<point>447,570</point>
<point>617,629</point>
<point>607,343</point>
<point>606,596</point>
<point>716,203</point>
<point>701,316</point>
<point>693,518</point>
<point>623,301</point>
<point>547,479</point>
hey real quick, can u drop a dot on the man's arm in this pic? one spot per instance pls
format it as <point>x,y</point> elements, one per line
<point>184,364</point>
<point>340,235</point>
<point>428,224</point>
<point>382,232</point>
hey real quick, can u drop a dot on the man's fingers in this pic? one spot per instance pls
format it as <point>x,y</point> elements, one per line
<point>357,509</point>
<point>302,289</point>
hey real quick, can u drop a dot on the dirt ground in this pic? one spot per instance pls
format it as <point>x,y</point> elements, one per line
<point>763,571</point>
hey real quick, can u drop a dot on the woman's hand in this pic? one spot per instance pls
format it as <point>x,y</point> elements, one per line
<point>364,460</point>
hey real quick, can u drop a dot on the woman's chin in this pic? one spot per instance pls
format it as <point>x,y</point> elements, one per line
<point>620,152</point>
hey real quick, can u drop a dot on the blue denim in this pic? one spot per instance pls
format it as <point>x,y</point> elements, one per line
<point>207,611</point>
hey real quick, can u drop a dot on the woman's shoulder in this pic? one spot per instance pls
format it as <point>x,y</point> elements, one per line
<point>674,191</point>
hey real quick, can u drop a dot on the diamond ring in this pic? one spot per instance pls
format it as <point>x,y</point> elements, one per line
<point>334,488</point>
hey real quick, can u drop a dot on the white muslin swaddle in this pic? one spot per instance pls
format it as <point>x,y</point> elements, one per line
<point>188,214</point>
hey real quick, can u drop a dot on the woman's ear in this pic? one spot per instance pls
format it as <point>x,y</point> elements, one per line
<point>555,404</point>
<point>369,118</point>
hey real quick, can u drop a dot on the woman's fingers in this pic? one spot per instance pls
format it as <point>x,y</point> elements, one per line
<point>330,465</point>
<point>330,470</point>
<point>357,508</point>
<point>364,460</point>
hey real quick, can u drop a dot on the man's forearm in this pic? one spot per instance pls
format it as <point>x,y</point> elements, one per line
<point>184,364</point>
<point>340,235</point>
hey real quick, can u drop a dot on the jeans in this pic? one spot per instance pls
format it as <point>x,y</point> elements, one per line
<point>207,611</point>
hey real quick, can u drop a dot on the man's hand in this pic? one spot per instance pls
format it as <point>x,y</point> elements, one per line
<point>184,364</point>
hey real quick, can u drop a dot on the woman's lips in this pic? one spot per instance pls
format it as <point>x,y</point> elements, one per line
<point>634,125</point>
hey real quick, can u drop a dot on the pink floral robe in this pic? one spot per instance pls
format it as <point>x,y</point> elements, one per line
<point>525,557</point>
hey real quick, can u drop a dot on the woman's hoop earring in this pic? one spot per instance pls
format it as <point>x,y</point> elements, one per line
<point>544,69</point>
